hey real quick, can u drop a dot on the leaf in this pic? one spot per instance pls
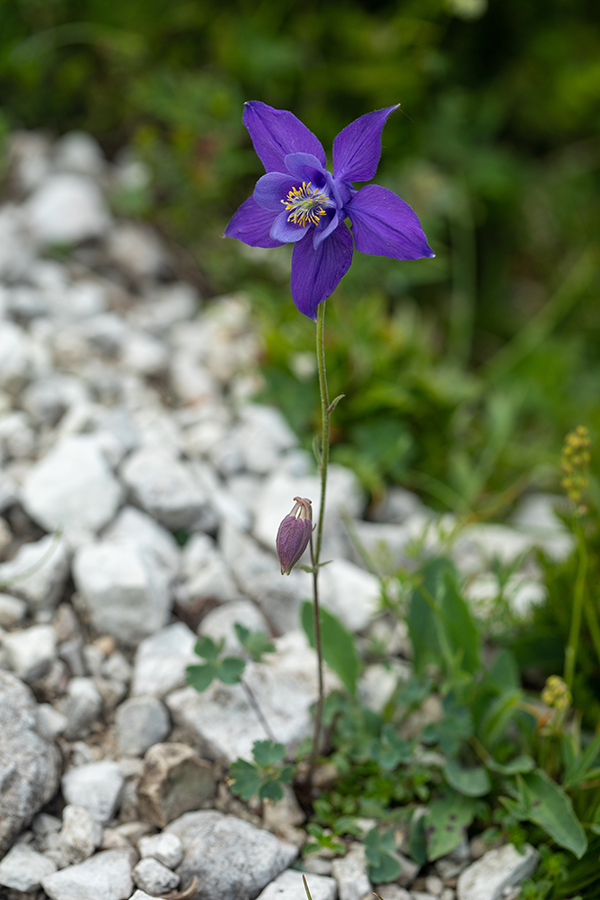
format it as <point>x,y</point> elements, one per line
<point>383,867</point>
<point>417,843</point>
<point>390,749</point>
<point>446,820</point>
<point>551,809</point>
<point>472,782</point>
<point>498,716</point>
<point>207,649</point>
<point>581,770</point>
<point>339,650</point>
<point>519,764</point>
<point>271,790</point>
<point>255,642</point>
<point>246,779</point>
<point>266,753</point>
<point>231,670</point>
<point>200,677</point>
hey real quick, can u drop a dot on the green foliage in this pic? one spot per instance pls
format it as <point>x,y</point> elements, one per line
<point>228,669</point>
<point>255,643</point>
<point>264,777</point>
<point>379,847</point>
<point>339,650</point>
<point>446,819</point>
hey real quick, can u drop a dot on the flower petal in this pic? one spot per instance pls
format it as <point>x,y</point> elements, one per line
<point>306,167</point>
<point>287,232</point>
<point>356,149</point>
<point>326,228</point>
<point>317,273</point>
<point>252,224</point>
<point>272,188</point>
<point>276,132</point>
<point>384,225</point>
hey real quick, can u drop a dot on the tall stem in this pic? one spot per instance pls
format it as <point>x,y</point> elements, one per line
<point>578,598</point>
<point>315,549</point>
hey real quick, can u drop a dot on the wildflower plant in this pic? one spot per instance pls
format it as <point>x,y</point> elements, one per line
<point>298,201</point>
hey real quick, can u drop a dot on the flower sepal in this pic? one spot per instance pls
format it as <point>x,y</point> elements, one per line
<point>294,534</point>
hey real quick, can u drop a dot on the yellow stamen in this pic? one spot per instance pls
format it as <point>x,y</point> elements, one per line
<point>306,205</point>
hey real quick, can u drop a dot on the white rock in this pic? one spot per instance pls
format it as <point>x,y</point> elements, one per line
<point>166,488</point>
<point>261,437</point>
<point>141,722</point>
<point>15,356</point>
<point>379,682</point>
<point>52,720</point>
<point>206,577</point>
<point>164,847</point>
<point>31,651</point>
<point>132,526</point>
<point>289,886</point>
<point>497,870</point>
<point>225,723</point>
<point>166,306</point>
<point>106,876</point>
<point>23,868</point>
<point>350,872</point>
<point>80,835</point>
<point>219,624</point>
<point>73,488</point>
<point>153,877</point>
<point>16,251</point>
<point>136,250</point>
<point>161,661</point>
<point>12,610</point>
<point>38,572</point>
<point>125,593</point>
<point>217,849</point>
<point>77,151</point>
<point>144,355</point>
<point>350,593</point>
<point>393,891</point>
<point>96,786</point>
<point>82,706</point>
<point>66,209</point>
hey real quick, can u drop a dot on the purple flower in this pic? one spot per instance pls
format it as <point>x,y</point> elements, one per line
<point>298,201</point>
<point>294,534</point>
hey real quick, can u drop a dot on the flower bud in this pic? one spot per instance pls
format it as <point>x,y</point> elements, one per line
<point>294,534</point>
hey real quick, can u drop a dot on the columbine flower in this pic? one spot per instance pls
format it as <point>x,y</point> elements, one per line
<point>298,201</point>
<point>294,534</point>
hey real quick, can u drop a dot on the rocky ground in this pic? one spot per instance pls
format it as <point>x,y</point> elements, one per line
<point>126,417</point>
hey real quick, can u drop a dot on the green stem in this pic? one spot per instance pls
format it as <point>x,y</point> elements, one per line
<point>578,603</point>
<point>316,550</point>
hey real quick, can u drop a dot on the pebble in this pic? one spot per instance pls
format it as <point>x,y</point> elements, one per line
<point>23,868</point>
<point>141,722</point>
<point>66,209</point>
<point>174,780</point>
<point>350,873</point>
<point>166,848</point>
<point>497,870</point>
<point>153,877</point>
<point>80,835</point>
<point>12,610</point>
<point>105,876</point>
<point>217,849</point>
<point>29,763</point>
<point>31,651</point>
<point>82,706</point>
<point>289,886</point>
<point>96,786</point>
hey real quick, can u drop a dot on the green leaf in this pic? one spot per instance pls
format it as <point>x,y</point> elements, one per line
<point>520,764</point>
<point>255,642</point>
<point>207,649</point>
<point>266,753</point>
<point>496,719</point>
<point>551,809</point>
<point>472,782</point>
<point>271,790</point>
<point>246,779</point>
<point>390,749</point>
<point>417,843</point>
<point>581,769</point>
<point>231,670</point>
<point>339,650</point>
<point>446,820</point>
<point>378,847</point>
<point>200,677</point>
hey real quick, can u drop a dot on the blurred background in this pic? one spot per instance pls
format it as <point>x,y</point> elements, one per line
<point>462,374</point>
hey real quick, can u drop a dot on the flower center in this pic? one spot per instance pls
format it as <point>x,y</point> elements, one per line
<point>305,204</point>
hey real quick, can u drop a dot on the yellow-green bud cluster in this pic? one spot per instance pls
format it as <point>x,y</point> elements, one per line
<point>556,693</point>
<point>575,461</point>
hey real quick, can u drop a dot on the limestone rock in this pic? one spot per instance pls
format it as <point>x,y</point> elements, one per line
<point>497,870</point>
<point>289,886</point>
<point>166,848</point>
<point>29,764</point>
<point>23,868</point>
<point>153,877</point>
<point>79,836</point>
<point>96,786</point>
<point>141,722</point>
<point>218,850</point>
<point>38,572</point>
<point>105,876</point>
<point>67,208</point>
<point>30,652</point>
<point>174,780</point>
<point>350,872</point>
<point>161,660</point>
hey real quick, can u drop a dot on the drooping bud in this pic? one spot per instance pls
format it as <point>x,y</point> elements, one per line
<point>294,534</point>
